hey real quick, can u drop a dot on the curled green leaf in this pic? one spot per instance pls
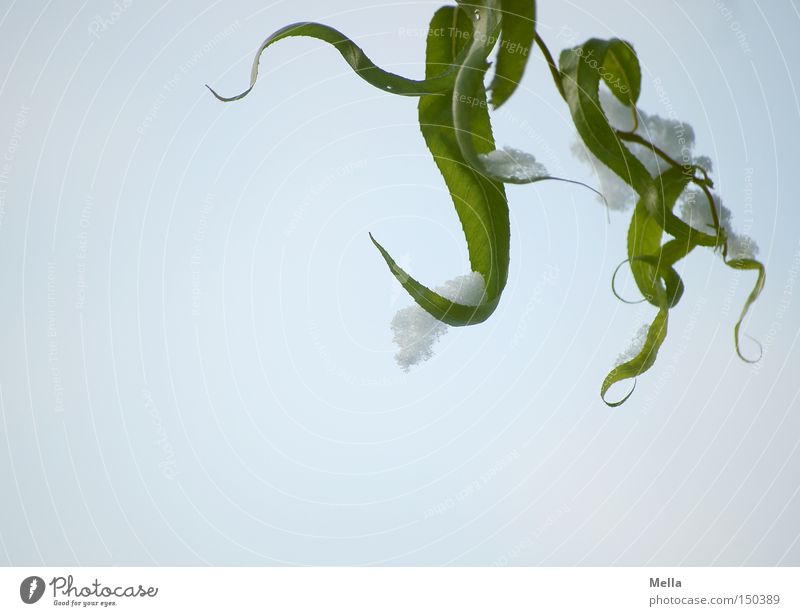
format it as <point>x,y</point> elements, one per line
<point>745,265</point>
<point>480,202</point>
<point>643,360</point>
<point>443,309</point>
<point>621,72</point>
<point>440,81</point>
<point>670,292</point>
<point>581,69</point>
<point>645,233</point>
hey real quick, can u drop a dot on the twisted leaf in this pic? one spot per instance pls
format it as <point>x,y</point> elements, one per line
<point>358,61</point>
<point>582,69</point>
<point>480,203</point>
<point>645,233</point>
<point>748,264</point>
<point>643,361</point>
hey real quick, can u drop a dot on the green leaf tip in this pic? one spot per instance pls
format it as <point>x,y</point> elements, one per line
<point>643,360</point>
<point>441,308</point>
<point>621,72</point>
<point>748,265</point>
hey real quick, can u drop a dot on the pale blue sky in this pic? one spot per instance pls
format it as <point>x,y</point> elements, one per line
<point>197,361</point>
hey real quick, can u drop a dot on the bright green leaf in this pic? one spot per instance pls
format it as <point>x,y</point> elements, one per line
<point>622,73</point>
<point>643,361</point>
<point>480,203</point>
<point>747,264</point>
<point>441,81</point>
<point>516,43</point>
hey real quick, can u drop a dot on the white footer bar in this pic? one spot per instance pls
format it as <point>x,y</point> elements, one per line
<point>407,591</point>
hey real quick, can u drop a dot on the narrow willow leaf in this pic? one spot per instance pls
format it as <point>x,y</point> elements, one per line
<point>442,81</point>
<point>675,250</point>
<point>480,203</point>
<point>516,42</point>
<point>643,361</point>
<point>581,68</point>
<point>670,292</point>
<point>645,233</point>
<point>469,102</point>
<point>659,269</point>
<point>441,308</point>
<point>652,268</point>
<point>748,264</point>
<point>468,97</point>
<point>622,73</point>
<point>644,237</point>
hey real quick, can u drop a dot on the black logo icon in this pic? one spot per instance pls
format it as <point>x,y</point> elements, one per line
<point>31,589</point>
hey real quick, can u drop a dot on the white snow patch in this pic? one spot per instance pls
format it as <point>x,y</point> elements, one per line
<point>514,164</point>
<point>618,194</point>
<point>741,247</point>
<point>695,211</point>
<point>416,331</point>
<point>636,345</point>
